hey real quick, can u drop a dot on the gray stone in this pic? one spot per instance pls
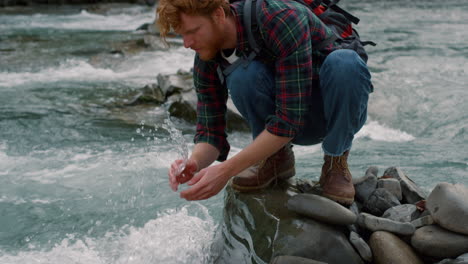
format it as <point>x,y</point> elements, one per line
<point>321,209</point>
<point>294,260</point>
<point>402,213</point>
<point>388,248</point>
<point>448,205</point>
<point>423,221</point>
<point>372,170</point>
<point>361,246</point>
<point>365,185</point>
<point>258,227</point>
<point>355,208</point>
<point>434,241</point>
<point>380,201</point>
<point>375,223</point>
<point>462,259</point>
<point>391,185</point>
<point>411,192</point>
<point>170,83</point>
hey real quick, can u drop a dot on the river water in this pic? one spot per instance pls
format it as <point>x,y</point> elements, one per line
<point>84,181</point>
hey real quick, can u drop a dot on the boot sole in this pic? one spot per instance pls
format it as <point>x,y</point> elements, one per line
<point>283,176</point>
<point>339,199</point>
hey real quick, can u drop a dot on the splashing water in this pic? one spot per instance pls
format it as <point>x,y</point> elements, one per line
<point>179,142</point>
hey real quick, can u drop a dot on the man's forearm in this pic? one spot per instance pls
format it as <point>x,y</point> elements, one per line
<point>264,145</point>
<point>204,154</point>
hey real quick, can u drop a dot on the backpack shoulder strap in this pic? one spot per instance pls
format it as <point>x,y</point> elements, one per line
<point>250,22</point>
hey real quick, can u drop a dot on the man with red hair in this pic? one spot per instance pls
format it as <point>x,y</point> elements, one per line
<point>302,92</point>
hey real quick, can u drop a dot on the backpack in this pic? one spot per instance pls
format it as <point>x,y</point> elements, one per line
<point>337,19</point>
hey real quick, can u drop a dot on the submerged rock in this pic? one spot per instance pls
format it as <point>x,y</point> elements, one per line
<point>448,205</point>
<point>435,241</point>
<point>388,248</point>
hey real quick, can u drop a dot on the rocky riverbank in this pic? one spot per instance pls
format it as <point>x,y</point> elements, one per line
<point>391,221</point>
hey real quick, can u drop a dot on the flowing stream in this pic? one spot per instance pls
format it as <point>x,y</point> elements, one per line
<point>83,180</point>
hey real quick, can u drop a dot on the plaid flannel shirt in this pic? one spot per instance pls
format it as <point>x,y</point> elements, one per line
<point>290,31</point>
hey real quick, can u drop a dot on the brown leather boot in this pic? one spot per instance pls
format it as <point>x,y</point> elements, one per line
<point>278,166</point>
<point>336,179</point>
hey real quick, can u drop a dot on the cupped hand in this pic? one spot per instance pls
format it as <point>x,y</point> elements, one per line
<point>177,177</point>
<point>206,183</point>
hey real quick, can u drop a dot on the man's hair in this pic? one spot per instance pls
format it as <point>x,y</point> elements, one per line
<point>169,12</point>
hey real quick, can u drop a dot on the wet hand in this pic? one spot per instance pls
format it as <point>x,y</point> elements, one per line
<point>207,183</point>
<point>179,176</point>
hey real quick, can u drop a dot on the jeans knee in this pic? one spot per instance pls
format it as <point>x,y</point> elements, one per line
<point>343,69</point>
<point>343,61</point>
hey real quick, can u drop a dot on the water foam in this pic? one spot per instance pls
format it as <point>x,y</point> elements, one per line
<point>376,131</point>
<point>131,20</point>
<point>139,70</point>
<point>176,236</point>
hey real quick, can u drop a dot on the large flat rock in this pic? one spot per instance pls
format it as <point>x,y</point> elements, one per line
<point>448,205</point>
<point>321,209</point>
<point>435,241</point>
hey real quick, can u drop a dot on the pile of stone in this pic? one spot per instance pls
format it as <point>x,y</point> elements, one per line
<point>392,221</point>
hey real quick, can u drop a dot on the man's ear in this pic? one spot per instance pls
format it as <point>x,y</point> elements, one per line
<point>219,17</point>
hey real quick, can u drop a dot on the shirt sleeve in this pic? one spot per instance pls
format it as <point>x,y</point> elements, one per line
<point>211,107</point>
<point>288,33</point>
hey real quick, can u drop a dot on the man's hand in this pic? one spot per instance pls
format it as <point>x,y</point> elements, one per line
<point>177,177</point>
<point>207,183</point>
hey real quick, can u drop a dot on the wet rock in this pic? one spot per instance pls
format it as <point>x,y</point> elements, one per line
<point>361,246</point>
<point>402,213</point>
<point>435,241</point>
<point>321,209</point>
<point>391,185</point>
<point>411,192</point>
<point>423,221</point>
<point>375,223</point>
<point>448,205</point>
<point>150,94</point>
<point>463,259</point>
<point>259,224</point>
<point>366,185</point>
<point>380,201</point>
<point>388,248</point>
<point>304,185</point>
<point>169,83</point>
<point>356,209</point>
<point>294,260</point>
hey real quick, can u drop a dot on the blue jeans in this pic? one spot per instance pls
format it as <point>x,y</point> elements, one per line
<point>338,110</point>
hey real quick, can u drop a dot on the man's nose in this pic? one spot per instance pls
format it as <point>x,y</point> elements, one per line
<point>188,42</point>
